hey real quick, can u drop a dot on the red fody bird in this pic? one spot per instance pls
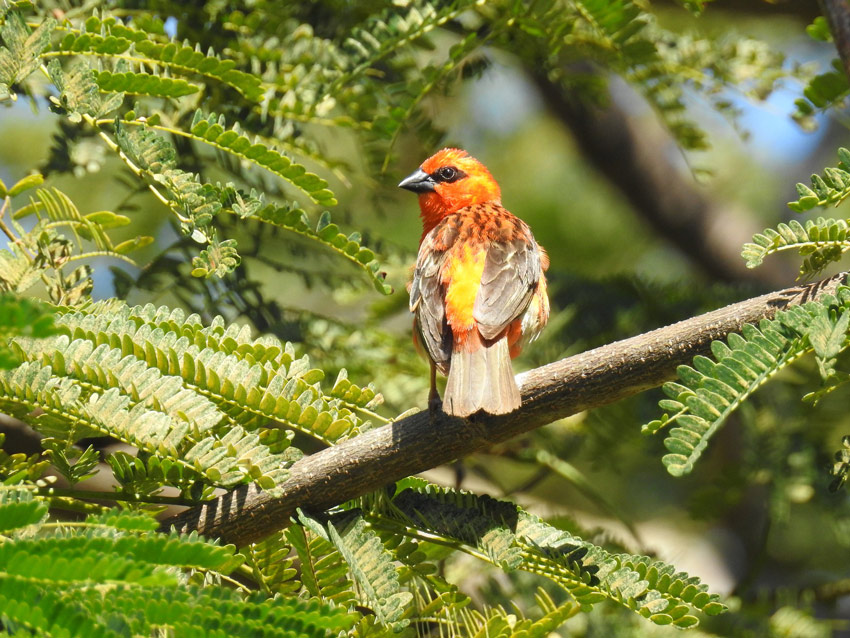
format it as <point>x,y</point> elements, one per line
<point>478,291</point>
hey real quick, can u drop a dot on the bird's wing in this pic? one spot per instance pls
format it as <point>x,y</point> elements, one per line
<point>427,294</point>
<point>512,269</point>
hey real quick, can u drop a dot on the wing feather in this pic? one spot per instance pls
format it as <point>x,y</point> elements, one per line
<point>511,272</point>
<point>427,296</point>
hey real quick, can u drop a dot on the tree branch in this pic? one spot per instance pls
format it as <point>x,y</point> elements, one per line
<point>419,442</point>
<point>837,13</point>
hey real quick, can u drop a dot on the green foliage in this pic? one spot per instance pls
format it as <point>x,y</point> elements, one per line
<point>832,187</point>
<point>824,91</point>
<point>21,317</point>
<point>42,253</point>
<point>323,572</point>
<point>271,565</point>
<point>222,126</point>
<point>100,61</point>
<point>20,509</point>
<point>19,55</point>
<point>372,567</point>
<point>501,533</point>
<point>200,398</point>
<point>212,130</point>
<point>147,574</point>
<point>712,389</point>
<point>111,38</point>
<point>821,241</point>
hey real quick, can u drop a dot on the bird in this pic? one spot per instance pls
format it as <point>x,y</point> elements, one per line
<point>478,293</point>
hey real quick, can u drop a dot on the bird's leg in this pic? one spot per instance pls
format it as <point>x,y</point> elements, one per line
<point>435,404</point>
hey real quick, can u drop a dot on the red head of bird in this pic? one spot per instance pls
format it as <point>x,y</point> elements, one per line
<point>446,182</point>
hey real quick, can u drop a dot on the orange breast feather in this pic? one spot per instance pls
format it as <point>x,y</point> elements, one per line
<point>462,277</point>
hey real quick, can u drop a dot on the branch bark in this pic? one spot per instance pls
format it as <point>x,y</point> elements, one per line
<point>419,442</point>
<point>837,14</point>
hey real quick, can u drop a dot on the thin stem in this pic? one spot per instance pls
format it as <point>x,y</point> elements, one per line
<point>102,253</point>
<point>8,231</point>
<point>138,172</point>
<point>422,535</point>
<point>3,225</point>
<point>74,505</point>
<point>115,496</point>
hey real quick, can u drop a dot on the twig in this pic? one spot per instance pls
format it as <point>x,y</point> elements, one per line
<point>378,457</point>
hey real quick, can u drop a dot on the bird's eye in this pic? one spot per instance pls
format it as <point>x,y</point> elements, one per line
<point>448,174</point>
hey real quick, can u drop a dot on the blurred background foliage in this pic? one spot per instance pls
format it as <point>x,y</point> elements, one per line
<point>643,220</point>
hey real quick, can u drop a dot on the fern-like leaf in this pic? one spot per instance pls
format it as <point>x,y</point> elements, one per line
<point>19,508</point>
<point>58,210</point>
<point>194,202</point>
<point>27,604</point>
<point>212,130</point>
<point>271,566</point>
<point>219,258</point>
<point>127,558</point>
<point>115,570</point>
<point>821,241</point>
<point>510,537</point>
<point>185,59</point>
<point>591,574</point>
<point>372,566</point>
<point>21,317</point>
<point>19,56</point>
<point>712,389</point>
<point>480,521</point>
<point>198,612</point>
<point>832,187</point>
<point>323,572</point>
<point>328,233</point>
<point>107,37</point>
<point>79,92</point>
<point>250,380</point>
<point>498,622</point>
<point>144,84</point>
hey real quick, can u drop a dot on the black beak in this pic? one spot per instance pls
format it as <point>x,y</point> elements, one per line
<point>418,182</point>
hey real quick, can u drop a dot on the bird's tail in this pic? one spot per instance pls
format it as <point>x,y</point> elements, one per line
<point>481,379</point>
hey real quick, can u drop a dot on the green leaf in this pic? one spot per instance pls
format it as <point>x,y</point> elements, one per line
<point>372,566</point>
<point>107,219</point>
<point>21,317</point>
<point>128,246</point>
<point>20,55</point>
<point>19,508</point>
<point>819,30</point>
<point>83,466</point>
<point>79,92</point>
<point>210,129</point>
<point>144,84</point>
<point>184,59</point>
<point>295,220</point>
<point>30,181</point>
<point>219,259</point>
<point>742,366</point>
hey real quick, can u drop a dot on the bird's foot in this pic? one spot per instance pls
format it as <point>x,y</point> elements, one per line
<point>435,404</point>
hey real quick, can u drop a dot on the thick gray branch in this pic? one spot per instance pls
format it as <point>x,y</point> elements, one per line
<point>419,442</point>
